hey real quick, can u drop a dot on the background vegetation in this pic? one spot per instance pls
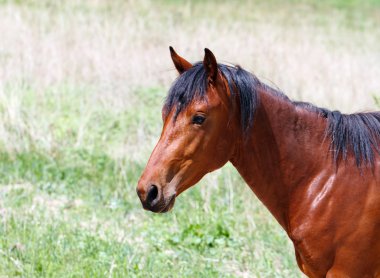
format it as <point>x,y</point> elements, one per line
<point>81,89</point>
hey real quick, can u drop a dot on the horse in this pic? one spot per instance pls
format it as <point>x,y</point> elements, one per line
<point>317,171</point>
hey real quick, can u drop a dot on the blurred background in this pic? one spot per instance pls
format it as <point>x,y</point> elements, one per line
<point>82,84</point>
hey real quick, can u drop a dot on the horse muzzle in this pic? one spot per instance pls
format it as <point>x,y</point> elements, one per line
<point>154,200</point>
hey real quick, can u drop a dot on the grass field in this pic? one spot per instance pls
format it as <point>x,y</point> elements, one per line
<point>81,89</point>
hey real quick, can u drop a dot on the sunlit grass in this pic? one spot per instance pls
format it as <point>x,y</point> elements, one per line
<point>81,89</point>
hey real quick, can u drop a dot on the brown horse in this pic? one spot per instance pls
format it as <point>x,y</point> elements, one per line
<point>317,171</point>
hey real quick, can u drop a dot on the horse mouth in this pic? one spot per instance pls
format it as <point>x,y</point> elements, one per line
<point>169,205</point>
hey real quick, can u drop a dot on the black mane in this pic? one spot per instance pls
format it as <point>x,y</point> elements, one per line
<point>192,84</point>
<point>356,134</point>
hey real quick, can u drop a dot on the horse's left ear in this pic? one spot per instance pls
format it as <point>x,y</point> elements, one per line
<point>180,63</point>
<point>209,62</point>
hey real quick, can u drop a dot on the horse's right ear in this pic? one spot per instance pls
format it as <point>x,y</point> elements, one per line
<point>180,64</point>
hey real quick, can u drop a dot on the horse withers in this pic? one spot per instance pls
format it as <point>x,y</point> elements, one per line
<point>317,171</point>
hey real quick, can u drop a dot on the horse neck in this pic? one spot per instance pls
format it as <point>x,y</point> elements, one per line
<point>284,148</point>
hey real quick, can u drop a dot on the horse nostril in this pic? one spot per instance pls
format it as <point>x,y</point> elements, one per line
<point>152,195</point>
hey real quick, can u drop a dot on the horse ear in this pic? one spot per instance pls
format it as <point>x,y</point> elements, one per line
<point>180,64</point>
<point>209,62</point>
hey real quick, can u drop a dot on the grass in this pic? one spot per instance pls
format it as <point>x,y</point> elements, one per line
<point>81,89</point>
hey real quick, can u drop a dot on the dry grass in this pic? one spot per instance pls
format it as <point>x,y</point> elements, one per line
<point>115,48</point>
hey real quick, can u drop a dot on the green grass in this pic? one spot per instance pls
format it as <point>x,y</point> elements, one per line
<point>81,90</point>
<point>73,212</point>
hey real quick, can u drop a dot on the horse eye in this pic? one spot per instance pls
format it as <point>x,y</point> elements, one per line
<point>198,119</point>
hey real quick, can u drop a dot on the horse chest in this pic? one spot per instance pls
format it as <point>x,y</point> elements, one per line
<point>314,252</point>
<point>332,233</point>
